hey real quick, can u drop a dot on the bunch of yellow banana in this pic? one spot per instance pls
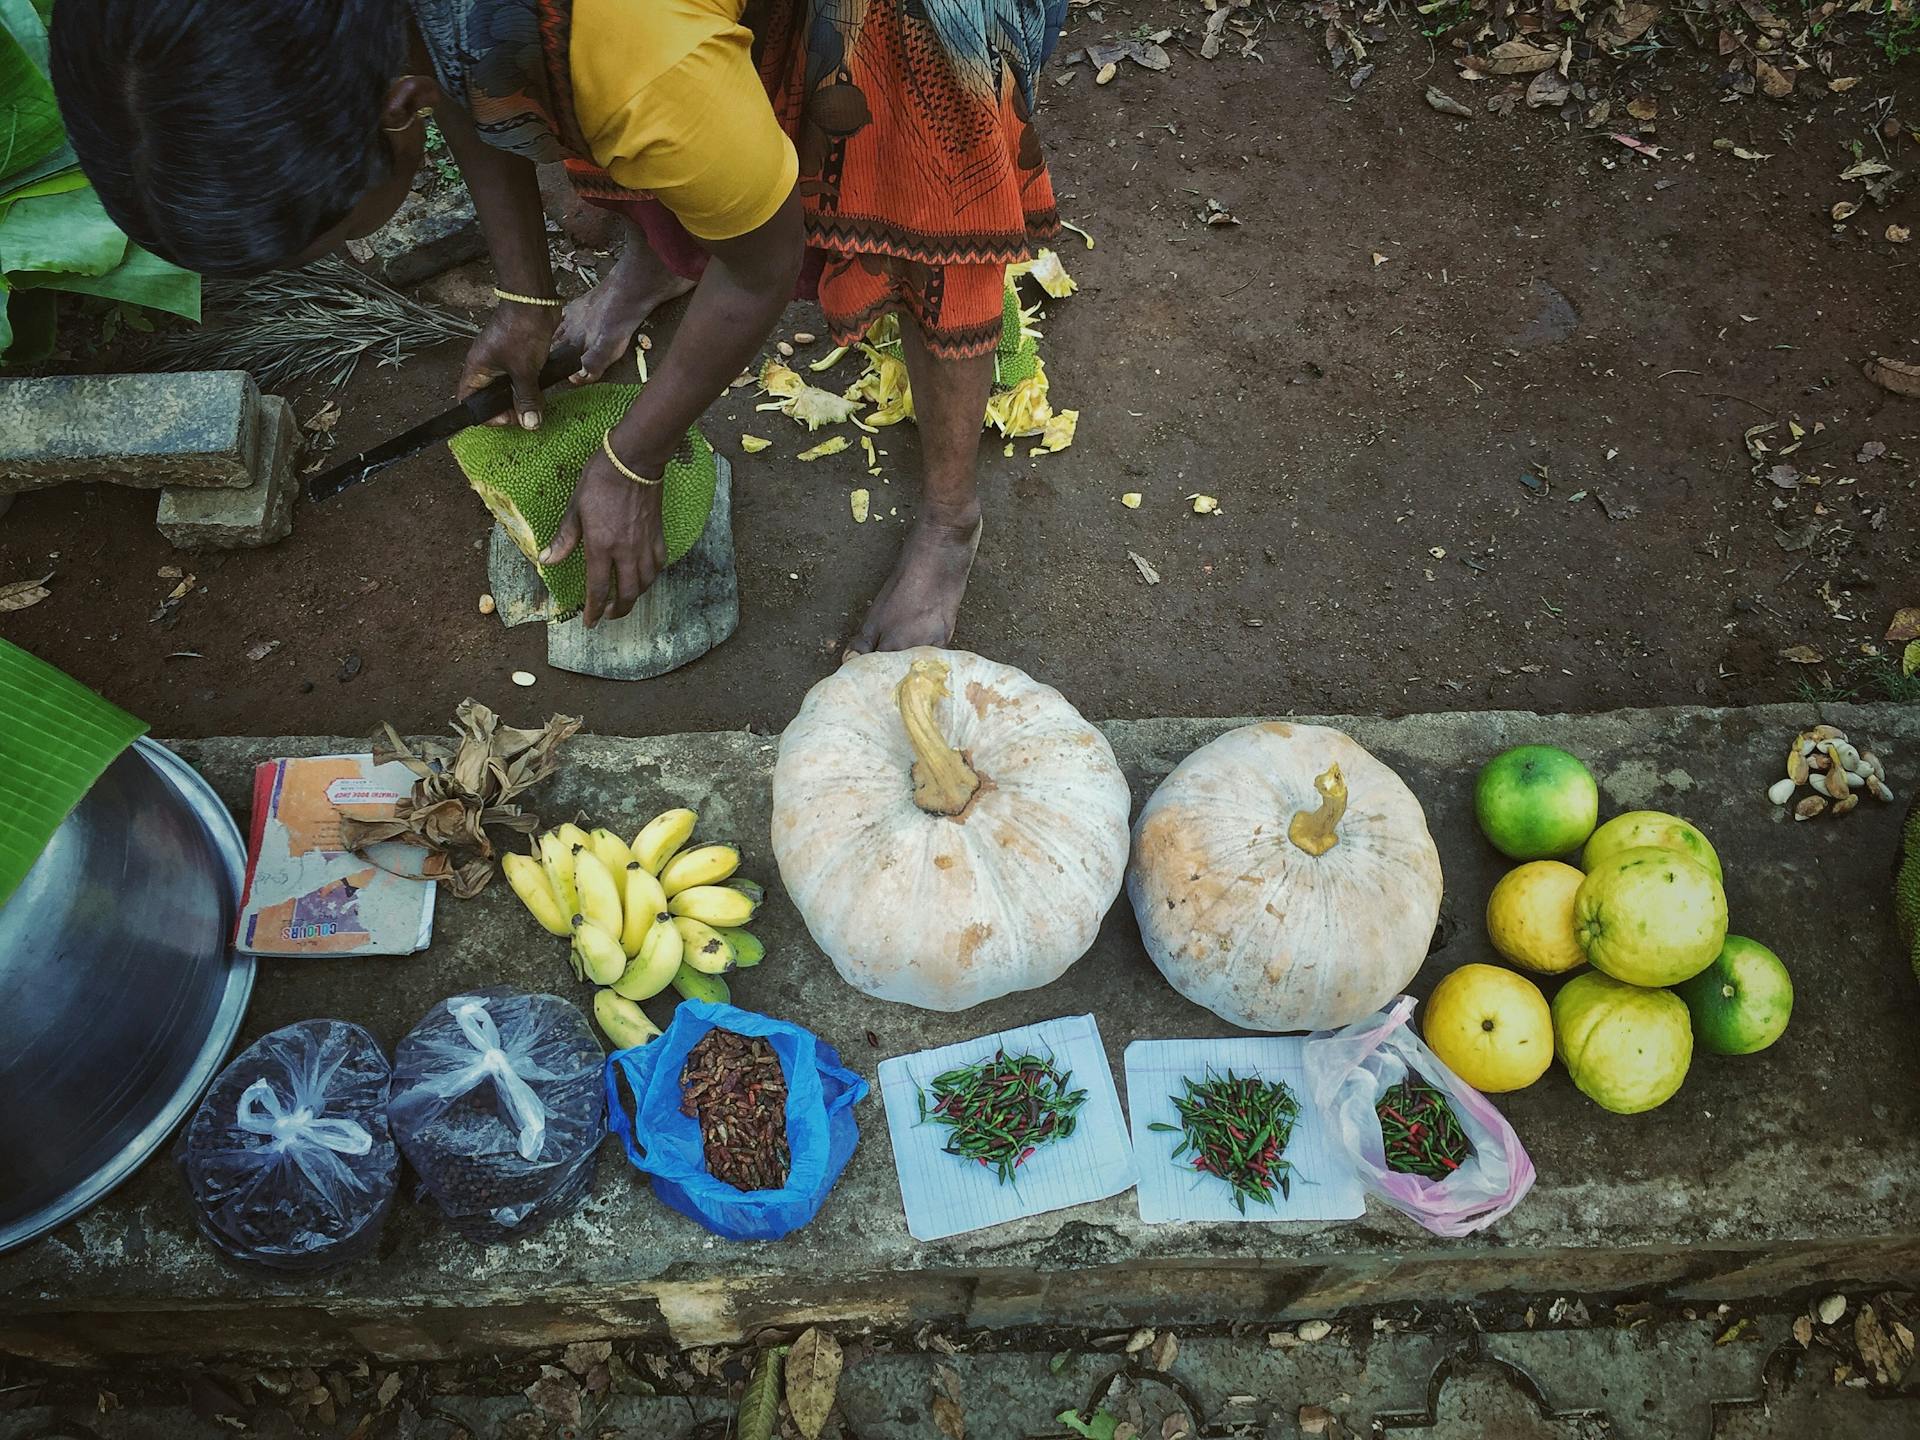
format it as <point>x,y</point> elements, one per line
<point>642,916</point>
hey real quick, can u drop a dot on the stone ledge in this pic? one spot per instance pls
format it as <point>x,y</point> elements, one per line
<point>1766,1175</point>
<point>203,519</point>
<point>145,431</point>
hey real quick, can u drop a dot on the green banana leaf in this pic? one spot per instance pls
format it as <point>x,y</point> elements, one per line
<point>54,182</point>
<point>30,127</point>
<point>143,278</point>
<point>56,737</point>
<point>67,232</point>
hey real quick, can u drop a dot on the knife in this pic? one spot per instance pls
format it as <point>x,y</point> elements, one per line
<point>476,409</point>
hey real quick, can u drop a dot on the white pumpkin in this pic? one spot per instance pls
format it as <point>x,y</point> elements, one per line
<point>949,829</point>
<point>1284,878</point>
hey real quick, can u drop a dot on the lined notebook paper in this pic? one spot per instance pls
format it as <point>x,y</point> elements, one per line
<point>946,1195</point>
<point>1323,1185</point>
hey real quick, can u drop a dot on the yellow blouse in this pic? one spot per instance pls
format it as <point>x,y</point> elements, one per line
<point>668,98</point>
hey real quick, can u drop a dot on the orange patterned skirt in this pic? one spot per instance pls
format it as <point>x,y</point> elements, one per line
<point>920,169</point>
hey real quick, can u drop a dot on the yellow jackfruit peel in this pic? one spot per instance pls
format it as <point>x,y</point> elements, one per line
<point>753,444</point>
<point>1048,273</point>
<point>826,447</point>
<point>527,477</point>
<point>1057,433</point>
<point>1023,410</point>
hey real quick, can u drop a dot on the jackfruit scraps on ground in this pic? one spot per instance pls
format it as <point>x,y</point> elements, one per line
<point>1020,403</point>
<point>526,478</point>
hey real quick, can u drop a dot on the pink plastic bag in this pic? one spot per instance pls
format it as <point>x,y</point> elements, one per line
<point>1349,1070</point>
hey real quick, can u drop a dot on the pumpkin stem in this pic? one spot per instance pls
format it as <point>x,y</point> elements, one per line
<point>942,782</point>
<point>1313,830</point>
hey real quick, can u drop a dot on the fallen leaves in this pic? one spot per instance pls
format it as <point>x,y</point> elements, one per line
<point>813,1380</point>
<point>759,1415</point>
<point>1215,214</point>
<point>1445,103</point>
<point>1898,376</point>
<point>22,594</point>
<point>1905,625</point>
<point>948,1412</point>
<point>1885,1350</point>
<point>1147,572</point>
<point>1513,57</point>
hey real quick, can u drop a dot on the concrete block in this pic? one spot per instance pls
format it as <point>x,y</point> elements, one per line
<point>146,431</point>
<point>426,235</point>
<point>201,519</point>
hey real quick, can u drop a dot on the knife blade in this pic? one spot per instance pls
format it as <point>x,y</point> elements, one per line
<point>476,409</point>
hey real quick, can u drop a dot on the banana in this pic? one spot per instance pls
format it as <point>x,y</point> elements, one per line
<point>705,948</point>
<point>702,865</point>
<point>660,838</point>
<point>643,899</point>
<point>571,835</point>
<point>611,849</point>
<point>556,857</point>
<point>599,892</point>
<point>692,985</point>
<point>715,905</point>
<point>653,969</point>
<point>529,882</point>
<point>600,954</point>
<point>625,1023</point>
<point>747,949</point>
<point>752,889</point>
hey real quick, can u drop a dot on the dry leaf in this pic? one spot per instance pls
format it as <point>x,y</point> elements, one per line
<point>1147,572</point>
<point>260,649</point>
<point>1515,57</point>
<point>583,1355</point>
<point>1776,83</point>
<point>1139,1340</point>
<point>1803,1331</point>
<point>1883,1353</point>
<point>813,1380</point>
<point>1904,626</point>
<point>1165,1349</point>
<point>1318,1420</point>
<point>1436,97</point>
<point>1379,259</point>
<point>20,594</point>
<point>1801,655</point>
<point>1785,477</point>
<point>555,1395</point>
<point>1840,84</point>
<point>951,1419</point>
<point>1643,107</point>
<point>1895,375</point>
<point>1866,170</point>
<point>1548,91</point>
<point>1844,210</point>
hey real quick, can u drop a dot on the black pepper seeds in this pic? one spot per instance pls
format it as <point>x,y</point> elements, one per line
<point>734,1086</point>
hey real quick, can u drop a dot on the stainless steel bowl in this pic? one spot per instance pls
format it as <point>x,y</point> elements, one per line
<point>122,994</point>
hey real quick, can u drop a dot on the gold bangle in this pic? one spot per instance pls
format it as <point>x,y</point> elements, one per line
<point>606,444</point>
<point>546,302</point>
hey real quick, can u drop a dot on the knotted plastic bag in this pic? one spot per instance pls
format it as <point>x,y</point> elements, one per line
<point>644,1099</point>
<point>1348,1070</point>
<point>497,1105</point>
<point>289,1161</point>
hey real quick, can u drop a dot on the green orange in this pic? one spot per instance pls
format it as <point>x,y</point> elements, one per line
<point>1742,1001</point>
<point>1535,802</point>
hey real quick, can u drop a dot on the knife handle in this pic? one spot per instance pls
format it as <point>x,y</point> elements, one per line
<point>496,396</point>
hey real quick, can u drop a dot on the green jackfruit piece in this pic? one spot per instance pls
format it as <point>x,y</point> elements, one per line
<point>1010,336</point>
<point>1906,886</point>
<point>526,478</point>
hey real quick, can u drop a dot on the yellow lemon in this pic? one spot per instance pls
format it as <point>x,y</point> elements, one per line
<point>1627,1048</point>
<point>1490,1027</point>
<point>1650,827</point>
<point>1530,917</point>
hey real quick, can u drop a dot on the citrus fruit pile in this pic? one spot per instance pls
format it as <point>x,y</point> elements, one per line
<point>1644,909</point>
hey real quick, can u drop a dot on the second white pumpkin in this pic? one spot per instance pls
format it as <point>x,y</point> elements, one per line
<point>1285,879</point>
<point>950,829</point>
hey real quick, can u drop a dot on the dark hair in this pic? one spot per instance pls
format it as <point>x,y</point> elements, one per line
<point>227,135</point>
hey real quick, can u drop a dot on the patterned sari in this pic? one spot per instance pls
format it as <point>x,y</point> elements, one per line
<point>920,171</point>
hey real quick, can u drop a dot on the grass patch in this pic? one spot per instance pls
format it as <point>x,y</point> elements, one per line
<point>1868,678</point>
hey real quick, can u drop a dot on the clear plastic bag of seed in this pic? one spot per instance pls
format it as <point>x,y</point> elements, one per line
<point>289,1161</point>
<point>497,1105</point>
<point>650,1112</point>
<point>1349,1073</point>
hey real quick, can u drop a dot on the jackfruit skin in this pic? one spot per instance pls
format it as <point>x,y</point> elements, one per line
<point>1018,352</point>
<point>526,478</point>
<point>1906,886</point>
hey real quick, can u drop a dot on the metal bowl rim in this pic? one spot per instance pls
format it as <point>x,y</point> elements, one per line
<point>224,834</point>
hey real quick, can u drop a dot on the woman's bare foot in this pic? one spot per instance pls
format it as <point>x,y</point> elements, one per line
<point>920,602</point>
<point>601,324</point>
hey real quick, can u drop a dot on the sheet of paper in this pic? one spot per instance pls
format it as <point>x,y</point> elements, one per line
<point>946,1195</point>
<point>1323,1185</point>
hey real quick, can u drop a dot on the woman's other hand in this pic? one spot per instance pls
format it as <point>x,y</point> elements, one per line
<point>619,523</point>
<point>514,342</point>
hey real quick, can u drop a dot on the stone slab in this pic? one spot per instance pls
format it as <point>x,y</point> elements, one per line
<point>1787,1172</point>
<point>145,431</point>
<point>427,234</point>
<point>204,519</point>
<point>689,610</point>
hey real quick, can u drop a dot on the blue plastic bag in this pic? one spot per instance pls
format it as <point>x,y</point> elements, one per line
<point>665,1144</point>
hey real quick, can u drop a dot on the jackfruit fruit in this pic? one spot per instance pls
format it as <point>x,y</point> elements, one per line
<point>526,478</point>
<point>1906,886</point>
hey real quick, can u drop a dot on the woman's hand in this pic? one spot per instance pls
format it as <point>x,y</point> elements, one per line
<point>619,522</point>
<point>514,342</point>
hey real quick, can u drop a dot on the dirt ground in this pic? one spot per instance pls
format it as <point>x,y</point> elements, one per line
<point>1471,395</point>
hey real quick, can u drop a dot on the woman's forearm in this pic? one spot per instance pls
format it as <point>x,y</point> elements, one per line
<point>506,196</point>
<point>740,297</point>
